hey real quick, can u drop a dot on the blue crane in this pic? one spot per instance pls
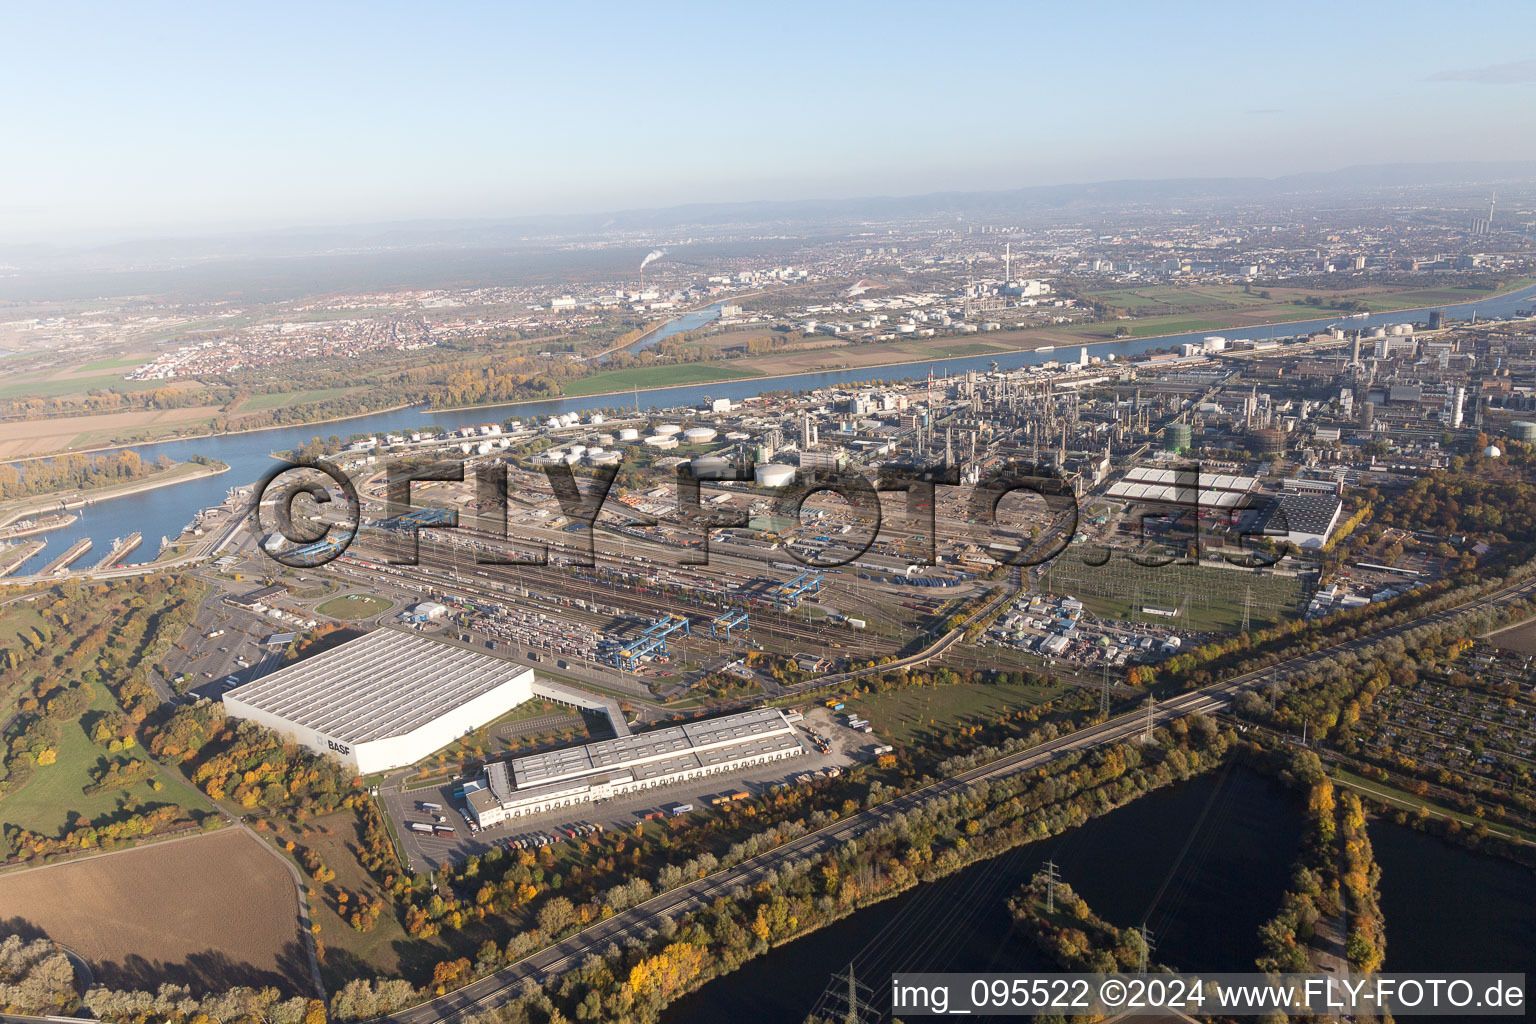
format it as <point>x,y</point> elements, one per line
<point>729,621</point>
<point>808,582</point>
<point>652,638</point>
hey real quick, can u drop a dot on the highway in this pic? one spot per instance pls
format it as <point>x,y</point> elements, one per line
<point>505,984</point>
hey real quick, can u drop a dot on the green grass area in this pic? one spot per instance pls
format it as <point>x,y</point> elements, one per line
<point>1409,801</point>
<point>355,606</point>
<point>940,349</point>
<point>656,377</point>
<point>148,432</point>
<point>116,362</point>
<point>285,399</point>
<point>1148,327</point>
<point>914,714</point>
<point>20,618</point>
<point>1207,597</point>
<point>1174,299</point>
<point>25,388</point>
<point>387,947</point>
<point>55,794</point>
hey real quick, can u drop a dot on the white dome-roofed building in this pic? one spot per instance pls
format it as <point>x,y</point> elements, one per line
<point>774,475</point>
<point>1492,452</point>
<point>700,435</point>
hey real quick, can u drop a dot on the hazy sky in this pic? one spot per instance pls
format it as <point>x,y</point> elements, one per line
<point>180,118</point>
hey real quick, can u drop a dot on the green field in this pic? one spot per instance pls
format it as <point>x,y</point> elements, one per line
<point>656,377</point>
<point>55,795</point>
<point>941,349</point>
<point>284,399</point>
<point>1148,327</point>
<point>27,387</point>
<point>1408,801</point>
<point>354,606</point>
<point>1207,597</point>
<point>116,362</point>
<point>925,713</point>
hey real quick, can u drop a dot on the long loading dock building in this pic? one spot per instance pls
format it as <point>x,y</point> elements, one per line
<point>597,771</point>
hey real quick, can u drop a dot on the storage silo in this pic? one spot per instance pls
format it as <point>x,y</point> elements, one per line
<point>774,475</point>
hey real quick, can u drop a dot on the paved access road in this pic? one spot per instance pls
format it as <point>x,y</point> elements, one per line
<point>505,984</point>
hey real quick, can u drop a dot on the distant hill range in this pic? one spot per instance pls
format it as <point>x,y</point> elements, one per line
<point>514,245</point>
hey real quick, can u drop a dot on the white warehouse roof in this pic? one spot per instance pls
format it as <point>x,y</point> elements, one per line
<point>384,700</point>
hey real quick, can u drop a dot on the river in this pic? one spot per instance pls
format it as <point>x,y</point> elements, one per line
<point>166,510</point>
<point>1203,862</point>
<point>681,325</point>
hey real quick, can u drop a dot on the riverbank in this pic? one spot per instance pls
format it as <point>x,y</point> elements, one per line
<point>39,504</point>
<point>169,438</point>
<point>1044,339</point>
<point>945,349</point>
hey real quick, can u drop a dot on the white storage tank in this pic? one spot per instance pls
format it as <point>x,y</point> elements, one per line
<point>710,467</point>
<point>1400,330</point>
<point>603,458</point>
<point>597,418</point>
<point>669,429</point>
<point>629,434</point>
<point>662,441</point>
<point>605,439</point>
<point>577,449</point>
<point>700,435</point>
<point>774,475</point>
<point>737,435</point>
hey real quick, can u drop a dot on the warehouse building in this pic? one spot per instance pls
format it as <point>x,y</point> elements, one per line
<point>1306,520</point>
<point>597,771</point>
<point>384,700</point>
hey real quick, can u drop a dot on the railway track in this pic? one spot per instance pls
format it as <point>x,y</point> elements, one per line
<point>551,961</point>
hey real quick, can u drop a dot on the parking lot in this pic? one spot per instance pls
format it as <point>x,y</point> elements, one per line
<point>424,852</point>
